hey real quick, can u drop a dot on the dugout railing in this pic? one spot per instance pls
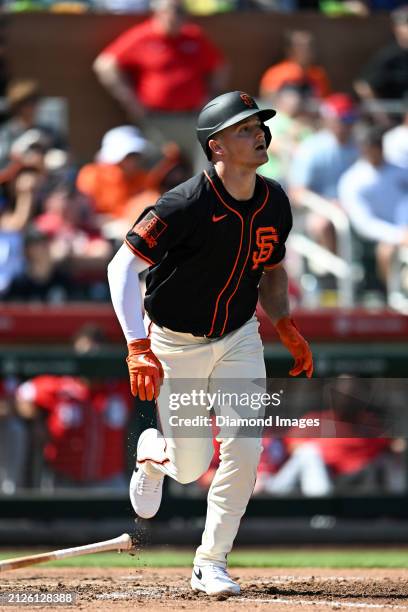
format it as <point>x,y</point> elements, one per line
<point>341,264</point>
<point>397,285</point>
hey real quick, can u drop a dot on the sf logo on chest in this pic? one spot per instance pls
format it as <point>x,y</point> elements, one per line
<point>266,239</point>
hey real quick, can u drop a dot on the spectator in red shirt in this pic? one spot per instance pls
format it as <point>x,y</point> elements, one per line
<point>318,464</point>
<point>86,424</point>
<point>86,428</point>
<point>163,68</point>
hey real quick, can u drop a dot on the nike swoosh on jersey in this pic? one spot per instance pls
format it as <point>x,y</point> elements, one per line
<point>215,218</point>
<point>198,574</point>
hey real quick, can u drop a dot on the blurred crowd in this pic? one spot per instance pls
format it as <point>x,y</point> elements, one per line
<point>339,155</point>
<point>333,8</point>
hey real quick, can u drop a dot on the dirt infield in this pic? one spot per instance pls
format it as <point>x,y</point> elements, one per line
<point>150,589</point>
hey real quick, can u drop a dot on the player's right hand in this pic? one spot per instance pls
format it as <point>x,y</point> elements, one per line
<point>145,370</point>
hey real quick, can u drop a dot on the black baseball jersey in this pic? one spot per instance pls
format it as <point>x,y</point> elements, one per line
<point>207,252</point>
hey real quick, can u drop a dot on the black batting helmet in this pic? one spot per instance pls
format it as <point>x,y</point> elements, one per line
<point>226,110</point>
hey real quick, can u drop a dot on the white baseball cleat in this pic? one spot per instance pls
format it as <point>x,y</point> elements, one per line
<point>145,491</point>
<point>213,580</point>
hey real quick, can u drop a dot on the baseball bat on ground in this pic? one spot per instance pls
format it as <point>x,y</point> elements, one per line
<point>123,542</point>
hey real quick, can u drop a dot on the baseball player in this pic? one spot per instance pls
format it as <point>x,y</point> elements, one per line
<point>212,245</point>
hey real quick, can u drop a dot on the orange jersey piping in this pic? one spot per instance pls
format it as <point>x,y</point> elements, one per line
<point>246,259</point>
<point>138,253</point>
<point>237,257</point>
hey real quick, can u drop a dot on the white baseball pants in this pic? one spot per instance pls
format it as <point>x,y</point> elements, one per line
<point>214,362</point>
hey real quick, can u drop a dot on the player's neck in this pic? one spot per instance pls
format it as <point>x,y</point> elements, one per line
<point>239,182</point>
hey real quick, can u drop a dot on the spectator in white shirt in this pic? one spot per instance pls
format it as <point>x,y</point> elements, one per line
<point>321,159</point>
<point>374,194</point>
<point>395,143</point>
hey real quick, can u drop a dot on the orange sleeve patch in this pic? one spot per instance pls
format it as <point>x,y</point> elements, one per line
<point>150,228</point>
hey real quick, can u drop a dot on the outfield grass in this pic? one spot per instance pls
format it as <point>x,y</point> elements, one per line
<point>360,558</point>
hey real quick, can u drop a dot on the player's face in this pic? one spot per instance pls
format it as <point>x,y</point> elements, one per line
<point>244,143</point>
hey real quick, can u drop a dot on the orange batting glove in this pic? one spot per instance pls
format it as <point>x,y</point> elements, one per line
<point>145,370</point>
<point>296,345</point>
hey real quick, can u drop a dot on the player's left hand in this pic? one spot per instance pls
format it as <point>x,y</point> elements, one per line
<point>296,345</point>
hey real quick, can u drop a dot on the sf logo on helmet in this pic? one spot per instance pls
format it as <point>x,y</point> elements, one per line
<point>247,100</point>
<point>266,239</point>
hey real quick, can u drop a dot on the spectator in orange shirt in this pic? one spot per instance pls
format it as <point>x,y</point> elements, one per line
<point>117,175</point>
<point>167,174</point>
<point>119,183</point>
<point>298,69</point>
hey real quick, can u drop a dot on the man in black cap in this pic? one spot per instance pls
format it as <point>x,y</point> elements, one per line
<point>211,245</point>
<point>385,78</point>
<point>23,97</point>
